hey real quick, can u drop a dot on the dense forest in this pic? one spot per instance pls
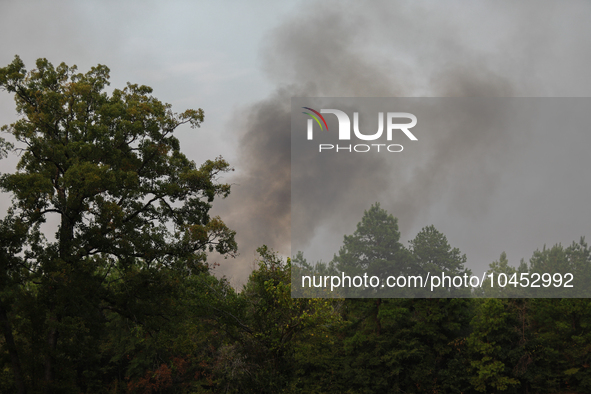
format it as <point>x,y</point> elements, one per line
<point>120,296</point>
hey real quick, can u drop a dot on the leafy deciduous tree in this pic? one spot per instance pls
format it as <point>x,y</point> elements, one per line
<point>128,205</point>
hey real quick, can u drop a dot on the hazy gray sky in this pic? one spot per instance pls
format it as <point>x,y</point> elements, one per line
<point>243,61</point>
<point>200,54</point>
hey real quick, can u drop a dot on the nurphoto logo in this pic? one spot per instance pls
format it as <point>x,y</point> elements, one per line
<point>392,119</point>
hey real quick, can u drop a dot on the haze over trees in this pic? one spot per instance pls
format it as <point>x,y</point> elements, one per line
<point>105,285</point>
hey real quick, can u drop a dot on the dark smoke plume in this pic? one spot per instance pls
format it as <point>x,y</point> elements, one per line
<point>349,49</point>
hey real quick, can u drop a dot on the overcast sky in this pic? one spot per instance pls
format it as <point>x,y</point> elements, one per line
<point>243,61</point>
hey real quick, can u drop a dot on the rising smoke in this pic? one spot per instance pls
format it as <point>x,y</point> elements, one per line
<point>349,49</point>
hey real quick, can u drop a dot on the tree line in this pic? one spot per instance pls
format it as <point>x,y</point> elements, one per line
<point>119,297</point>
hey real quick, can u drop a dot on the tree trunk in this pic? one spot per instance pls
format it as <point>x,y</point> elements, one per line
<point>66,235</point>
<point>51,345</point>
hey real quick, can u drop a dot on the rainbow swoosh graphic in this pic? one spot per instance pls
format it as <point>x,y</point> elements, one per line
<point>316,118</point>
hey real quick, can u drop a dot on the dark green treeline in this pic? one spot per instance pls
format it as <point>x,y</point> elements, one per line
<point>205,337</point>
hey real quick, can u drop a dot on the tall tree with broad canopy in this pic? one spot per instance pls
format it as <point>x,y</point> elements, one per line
<point>107,171</point>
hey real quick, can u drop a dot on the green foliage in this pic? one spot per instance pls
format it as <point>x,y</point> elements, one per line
<point>548,271</point>
<point>277,323</point>
<point>120,299</point>
<point>132,217</point>
<point>432,254</point>
<point>373,249</point>
<point>491,288</point>
<point>494,345</point>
